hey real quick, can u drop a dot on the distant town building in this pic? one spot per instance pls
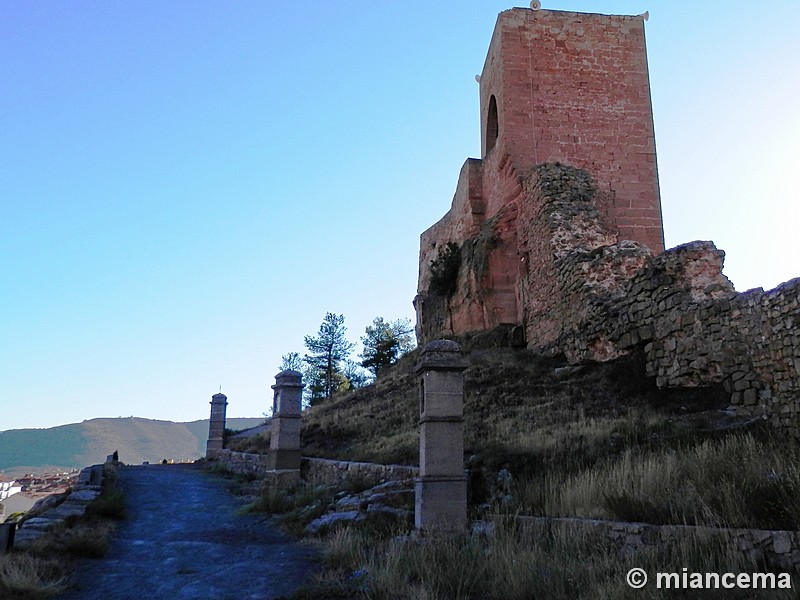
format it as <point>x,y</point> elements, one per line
<point>9,488</point>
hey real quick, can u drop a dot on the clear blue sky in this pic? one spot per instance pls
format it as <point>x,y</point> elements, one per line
<point>187,187</point>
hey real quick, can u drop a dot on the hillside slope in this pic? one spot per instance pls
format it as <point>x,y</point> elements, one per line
<point>79,444</point>
<point>521,410</point>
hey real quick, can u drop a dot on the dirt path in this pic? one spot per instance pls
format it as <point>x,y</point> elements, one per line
<point>182,540</point>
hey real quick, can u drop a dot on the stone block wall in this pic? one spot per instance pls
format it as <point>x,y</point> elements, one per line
<point>695,329</point>
<point>243,463</point>
<point>317,470</point>
<point>574,87</point>
<point>603,298</point>
<point>334,472</point>
<point>53,511</point>
<point>779,548</point>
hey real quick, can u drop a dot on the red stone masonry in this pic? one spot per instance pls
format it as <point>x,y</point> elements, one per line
<point>574,88</point>
<point>556,87</point>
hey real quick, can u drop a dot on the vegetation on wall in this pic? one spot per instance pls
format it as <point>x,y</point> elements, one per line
<point>444,270</point>
<point>477,248</point>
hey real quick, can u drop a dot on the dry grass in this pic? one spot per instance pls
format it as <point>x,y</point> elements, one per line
<point>597,441</point>
<point>517,408</point>
<point>515,562</point>
<point>83,538</point>
<point>524,413</point>
<point>737,481</point>
<point>42,570</point>
<point>23,575</point>
<point>255,444</point>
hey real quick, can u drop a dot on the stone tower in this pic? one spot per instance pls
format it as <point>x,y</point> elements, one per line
<point>574,88</point>
<point>556,87</point>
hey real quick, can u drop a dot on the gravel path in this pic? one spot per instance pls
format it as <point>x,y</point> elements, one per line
<point>182,540</point>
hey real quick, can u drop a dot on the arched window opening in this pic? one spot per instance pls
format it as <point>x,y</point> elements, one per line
<point>492,127</point>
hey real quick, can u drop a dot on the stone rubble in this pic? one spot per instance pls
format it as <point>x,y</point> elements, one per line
<point>392,498</point>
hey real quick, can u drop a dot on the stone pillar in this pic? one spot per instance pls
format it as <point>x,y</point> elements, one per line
<point>284,445</point>
<point>216,423</point>
<point>441,488</point>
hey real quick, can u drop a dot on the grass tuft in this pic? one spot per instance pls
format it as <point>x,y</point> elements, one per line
<point>23,575</point>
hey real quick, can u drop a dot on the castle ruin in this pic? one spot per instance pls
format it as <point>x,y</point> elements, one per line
<point>555,234</point>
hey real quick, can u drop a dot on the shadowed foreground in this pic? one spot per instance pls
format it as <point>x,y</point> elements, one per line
<point>182,540</point>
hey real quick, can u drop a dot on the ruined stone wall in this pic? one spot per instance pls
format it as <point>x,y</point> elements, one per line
<point>577,260</point>
<point>486,293</point>
<point>603,298</point>
<point>587,295</point>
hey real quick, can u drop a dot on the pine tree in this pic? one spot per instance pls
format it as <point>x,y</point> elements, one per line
<point>326,352</point>
<point>291,362</point>
<point>385,342</point>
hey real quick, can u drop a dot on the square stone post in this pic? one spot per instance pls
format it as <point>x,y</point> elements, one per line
<point>441,488</point>
<point>216,423</point>
<point>284,444</point>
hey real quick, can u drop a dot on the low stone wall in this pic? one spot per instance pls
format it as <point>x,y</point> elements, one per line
<point>779,548</point>
<point>242,463</point>
<point>334,472</point>
<point>316,470</point>
<point>54,510</point>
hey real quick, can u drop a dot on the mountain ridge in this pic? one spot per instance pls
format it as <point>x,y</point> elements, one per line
<point>76,445</point>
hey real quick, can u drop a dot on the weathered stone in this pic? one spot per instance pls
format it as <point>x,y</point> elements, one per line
<point>349,503</point>
<point>40,523</point>
<point>781,542</point>
<point>398,513</point>
<point>396,498</point>
<point>325,521</point>
<point>750,396</point>
<point>83,495</point>
<point>441,489</point>
<point>66,509</point>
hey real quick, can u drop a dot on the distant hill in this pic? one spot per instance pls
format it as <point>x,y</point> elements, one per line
<point>80,444</point>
